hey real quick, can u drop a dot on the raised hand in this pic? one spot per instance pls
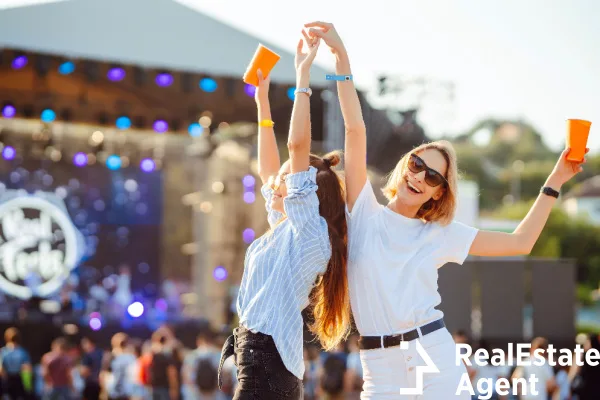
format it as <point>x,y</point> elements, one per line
<point>261,94</point>
<point>327,32</point>
<point>564,169</point>
<point>304,60</point>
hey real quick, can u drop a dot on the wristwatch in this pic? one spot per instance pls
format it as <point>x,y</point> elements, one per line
<point>549,191</point>
<point>308,91</point>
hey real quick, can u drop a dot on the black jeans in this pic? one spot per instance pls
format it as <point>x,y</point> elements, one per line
<point>261,373</point>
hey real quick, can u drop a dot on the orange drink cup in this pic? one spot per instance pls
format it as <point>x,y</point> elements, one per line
<point>578,131</point>
<point>264,59</point>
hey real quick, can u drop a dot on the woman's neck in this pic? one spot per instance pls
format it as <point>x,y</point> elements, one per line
<point>397,206</point>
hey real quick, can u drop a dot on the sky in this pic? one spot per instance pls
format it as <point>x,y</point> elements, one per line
<point>534,60</point>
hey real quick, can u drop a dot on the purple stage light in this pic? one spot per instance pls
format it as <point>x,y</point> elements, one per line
<point>9,153</point>
<point>220,274</point>
<point>9,111</point>
<point>116,74</point>
<point>147,165</point>
<point>250,89</point>
<point>249,197</point>
<point>95,324</point>
<point>248,235</point>
<point>164,79</point>
<point>80,159</point>
<point>160,126</point>
<point>19,62</point>
<point>249,181</point>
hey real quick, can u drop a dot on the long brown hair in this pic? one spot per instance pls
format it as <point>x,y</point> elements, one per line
<point>329,299</point>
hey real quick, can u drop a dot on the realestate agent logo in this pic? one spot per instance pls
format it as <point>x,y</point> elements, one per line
<point>39,245</point>
<point>420,370</point>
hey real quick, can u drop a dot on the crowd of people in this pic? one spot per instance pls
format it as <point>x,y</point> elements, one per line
<point>161,368</point>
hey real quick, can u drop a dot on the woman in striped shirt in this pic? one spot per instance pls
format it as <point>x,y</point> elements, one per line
<point>305,245</point>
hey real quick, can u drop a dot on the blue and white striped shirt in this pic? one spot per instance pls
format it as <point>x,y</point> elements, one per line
<point>281,268</point>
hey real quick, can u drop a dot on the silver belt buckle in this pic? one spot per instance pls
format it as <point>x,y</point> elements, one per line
<point>382,342</point>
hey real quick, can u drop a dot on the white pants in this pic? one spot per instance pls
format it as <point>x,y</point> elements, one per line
<point>388,370</point>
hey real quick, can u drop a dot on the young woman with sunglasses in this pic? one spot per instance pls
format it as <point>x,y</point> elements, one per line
<point>304,252</point>
<point>396,249</point>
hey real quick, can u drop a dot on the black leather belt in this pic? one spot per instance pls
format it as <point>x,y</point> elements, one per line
<point>378,342</point>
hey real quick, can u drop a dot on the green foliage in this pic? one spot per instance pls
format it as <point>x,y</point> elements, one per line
<point>584,295</point>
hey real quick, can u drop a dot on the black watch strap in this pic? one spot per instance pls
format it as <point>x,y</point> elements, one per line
<point>549,191</point>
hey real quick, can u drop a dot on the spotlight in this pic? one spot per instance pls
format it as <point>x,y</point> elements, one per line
<point>113,162</point>
<point>220,274</point>
<point>116,74</point>
<point>205,121</point>
<point>9,111</point>
<point>249,197</point>
<point>160,126</point>
<point>164,79</point>
<point>123,123</point>
<point>250,89</point>
<point>135,309</point>
<point>80,159</point>
<point>95,324</point>
<point>248,235</point>
<point>249,181</point>
<point>147,165</point>
<point>19,62</point>
<point>290,93</point>
<point>195,130</point>
<point>66,68</point>
<point>208,85</point>
<point>9,153</point>
<point>48,115</point>
<point>97,137</point>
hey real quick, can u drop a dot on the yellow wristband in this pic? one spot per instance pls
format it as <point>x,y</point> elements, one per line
<point>267,123</point>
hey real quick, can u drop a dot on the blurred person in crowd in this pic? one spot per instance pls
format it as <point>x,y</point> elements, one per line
<point>115,378</point>
<point>488,372</point>
<point>200,369</point>
<point>586,378</point>
<point>395,250</point>
<point>57,368</point>
<point>300,262</point>
<point>354,372</point>
<point>546,384</point>
<point>138,391</point>
<point>91,365</point>
<point>15,366</point>
<point>563,383</point>
<point>163,374</point>
<point>312,371</point>
<point>333,374</point>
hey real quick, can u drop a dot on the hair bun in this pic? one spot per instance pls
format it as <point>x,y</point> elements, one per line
<point>332,159</point>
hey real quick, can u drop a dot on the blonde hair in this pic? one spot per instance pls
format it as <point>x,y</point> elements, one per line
<point>441,211</point>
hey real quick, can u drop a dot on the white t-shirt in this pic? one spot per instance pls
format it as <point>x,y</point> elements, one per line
<point>393,263</point>
<point>543,373</point>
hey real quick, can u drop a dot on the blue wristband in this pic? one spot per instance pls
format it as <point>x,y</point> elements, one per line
<point>338,77</point>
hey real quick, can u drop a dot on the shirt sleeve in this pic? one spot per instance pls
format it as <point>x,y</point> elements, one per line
<point>302,208</point>
<point>458,239</point>
<point>25,356</point>
<point>272,216</point>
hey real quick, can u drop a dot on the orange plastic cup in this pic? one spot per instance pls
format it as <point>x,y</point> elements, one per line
<point>578,131</point>
<point>264,59</point>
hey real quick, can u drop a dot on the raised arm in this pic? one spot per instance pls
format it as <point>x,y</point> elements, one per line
<point>522,240</point>
<point>355,165</point>
<point>268,154</point>
<point>299,137</point>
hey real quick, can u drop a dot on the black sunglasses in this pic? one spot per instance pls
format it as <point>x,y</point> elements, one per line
<point>432,177</point>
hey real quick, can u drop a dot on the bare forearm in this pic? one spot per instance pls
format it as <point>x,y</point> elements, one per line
<point>268,154</point>
<point>349,102</point>
<point>299,136</point>
<point>531,227</point>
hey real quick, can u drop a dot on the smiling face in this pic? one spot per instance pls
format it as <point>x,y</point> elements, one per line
<point>414,188</point>
<point>279,187</point>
